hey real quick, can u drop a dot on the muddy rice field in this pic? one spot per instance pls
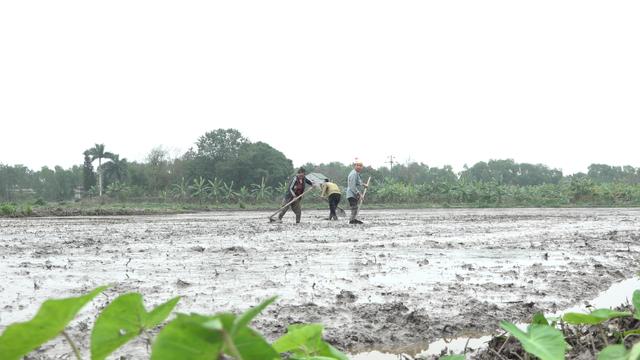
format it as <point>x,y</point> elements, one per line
<point>400,281</point>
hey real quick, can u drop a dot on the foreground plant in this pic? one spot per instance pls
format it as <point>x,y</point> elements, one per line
<point>546,342</point>
<point>123,320</point>
<point>188,336</point>
<point>52,318</point>
<point>543,341</point>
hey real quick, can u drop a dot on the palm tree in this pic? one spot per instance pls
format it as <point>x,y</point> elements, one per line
<point>97,152</point>
<point>116,169</point>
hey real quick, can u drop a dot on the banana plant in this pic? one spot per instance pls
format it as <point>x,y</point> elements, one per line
<point>228,194</point>
<point>180,190</point>
<point>261,191</point>
<point>243,195</point>
<point>215,189</point>
<point>199,189</point>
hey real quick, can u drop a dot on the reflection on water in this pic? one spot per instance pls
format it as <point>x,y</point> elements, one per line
<point>618,293</point>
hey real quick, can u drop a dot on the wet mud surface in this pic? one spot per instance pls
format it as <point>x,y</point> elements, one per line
<point>394,284</point>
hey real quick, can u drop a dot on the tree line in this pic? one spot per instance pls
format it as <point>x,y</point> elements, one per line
<point>225,167</point>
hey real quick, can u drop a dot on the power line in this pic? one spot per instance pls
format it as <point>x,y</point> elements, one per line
<point>390,162</point>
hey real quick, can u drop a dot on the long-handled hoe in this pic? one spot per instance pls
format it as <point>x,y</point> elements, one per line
<point>271,219</point>
<point>363,195</point>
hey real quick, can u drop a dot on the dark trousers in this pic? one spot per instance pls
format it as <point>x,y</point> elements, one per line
<point>334,200</point>
<point>353,203</point>
<point>295,206</point>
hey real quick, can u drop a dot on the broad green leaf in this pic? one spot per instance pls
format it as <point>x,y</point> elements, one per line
<point>312,346</point>
<point>160,313</point>
<point>220,322</point>
<point>539,319</point>
<point>244,319</point>
<point>202,337</point>
<point>636,304</point>
<point>635,352</point>
<point>215,325</point>
<point>453,357</point>
<point>329,351</point>
<point>305,340</point>
<point>595,317</point>
<point>53,316</point>
<point>297,337</point>
<point>122,320</point>
<point>543,341</point>
<point>251,345</point>
<point>186,338</point>
<point>614,352</point>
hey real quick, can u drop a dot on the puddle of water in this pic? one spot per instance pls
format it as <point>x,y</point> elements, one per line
<point>375,355</point>
<point>617,294</point>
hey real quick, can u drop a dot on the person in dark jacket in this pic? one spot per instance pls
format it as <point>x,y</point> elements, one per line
<point>295,189</point>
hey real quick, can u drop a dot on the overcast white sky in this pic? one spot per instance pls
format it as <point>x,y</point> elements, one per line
<point>440,82</point>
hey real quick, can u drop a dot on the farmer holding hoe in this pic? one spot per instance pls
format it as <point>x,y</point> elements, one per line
<point>354,196</point>
<point>295,189</point>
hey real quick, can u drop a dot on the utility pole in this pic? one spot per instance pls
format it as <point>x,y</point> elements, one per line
<point>390,162</point>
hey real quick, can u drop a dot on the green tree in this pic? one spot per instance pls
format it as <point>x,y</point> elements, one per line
<point>14,179</point>
<point>220,144</point>
<point>158,173</point>
<point>97,152</point>
<point>115,170</point>
<point>254,162</point>
<point>57,184</point>
<point>88,177</point>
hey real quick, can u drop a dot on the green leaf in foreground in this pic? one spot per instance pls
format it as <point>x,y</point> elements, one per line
<point>305,342</point>
<point>593,318</point>
<point>251,345</point>
<point>124,319</point>
<point>192,337</point>
<point>543,341</point>
<point>614,352</point>
<point>539,319</point>
<point>453,357</point>
<point>635,352</point>
<point>187,338</point>
<point>297,337</point>
<point>244,319</point>
<point>636,304</point>
<point>53,316</point>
